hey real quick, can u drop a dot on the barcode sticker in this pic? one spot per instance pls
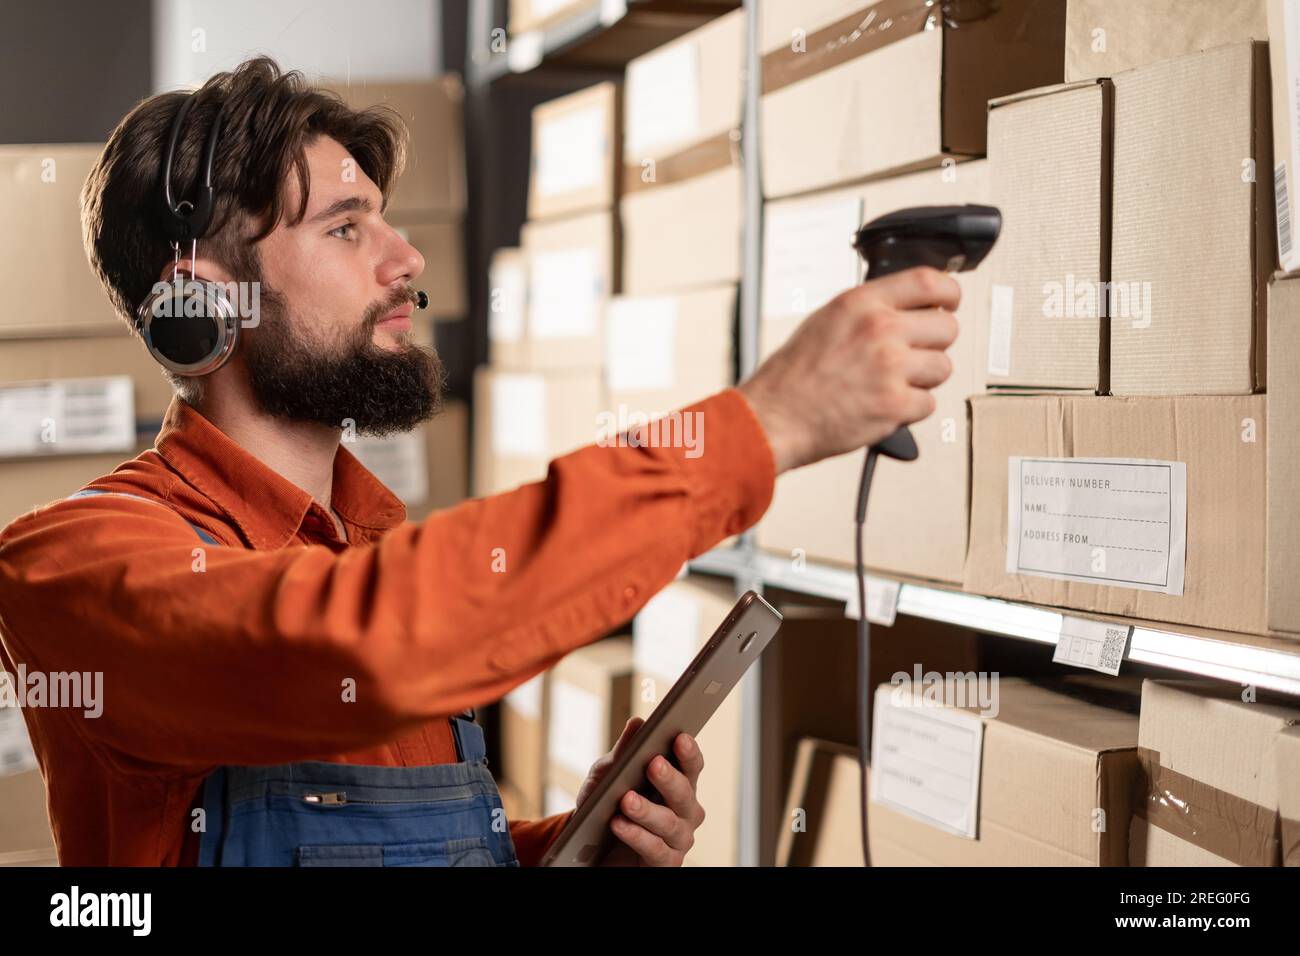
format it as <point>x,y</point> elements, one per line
<point>1283,201</point>
<point>1095,645</point>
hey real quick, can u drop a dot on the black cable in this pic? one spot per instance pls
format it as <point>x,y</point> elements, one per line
<point>864,650</point>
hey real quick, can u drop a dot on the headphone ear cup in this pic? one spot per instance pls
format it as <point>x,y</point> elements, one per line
<point>189,326</point>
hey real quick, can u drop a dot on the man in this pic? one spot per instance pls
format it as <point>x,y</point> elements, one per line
<point>284,658</point>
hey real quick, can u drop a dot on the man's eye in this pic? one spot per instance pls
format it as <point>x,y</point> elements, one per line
<point>349,227</point>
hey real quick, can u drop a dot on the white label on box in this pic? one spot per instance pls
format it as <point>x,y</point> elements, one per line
<point>882,601</point>
<point>1289,254</point>
<point>571,152</point>
<point>527,698</point>
<point>641,343</point>
<point>925,760</point>
<point>524,51</point>
<point>663,101</point>
<point>575,739</point>
<point>16,754</point>
<point>808,255</point>
<point>611,11</point>
<point>558,800</point>
<point>519,415</point>
<point>1113,521</point>
<point>666,635</point>
<point>565,289</point>
<point>506,302</point>
<point>1001,302</point>
<point>401,462</point>
<point>67,416</point>
<point>1096,645</point>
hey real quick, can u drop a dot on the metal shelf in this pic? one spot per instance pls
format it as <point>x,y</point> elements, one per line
<point>1257,660</point>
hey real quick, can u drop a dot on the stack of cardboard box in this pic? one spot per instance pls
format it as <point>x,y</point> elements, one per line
<point>542,393</point>
<point>428,467</point>
<point>837,151</point>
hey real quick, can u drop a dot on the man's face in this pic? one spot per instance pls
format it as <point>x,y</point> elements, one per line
<point>333,339</point>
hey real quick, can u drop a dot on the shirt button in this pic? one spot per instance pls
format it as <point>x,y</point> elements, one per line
<point>630,592</point>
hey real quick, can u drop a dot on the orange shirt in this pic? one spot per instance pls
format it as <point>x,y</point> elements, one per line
<point>241,653</point>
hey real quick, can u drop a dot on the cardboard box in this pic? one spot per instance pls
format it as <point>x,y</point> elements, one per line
<point>576,158</point>
<point>1284,70</point>
<point>29,483</point>
<point>572,269</point>
<point>538,14</point>
<point>116,352</point>
<point>442,243</point>
<point>507,308</point>
<point>1056,779</point>
<point>683,234</point>
<point>49,286</point>
<point>666,635</point>
<point>1210,789</point>
<point>917,516</point>
<point>825,115</point>
<point>1105,37</point>
<point>665,352</point>
<point>683,197</point>
<point>1128,538</point>
<point>588,704</point>
<point>522,420</point>
<point>1284,456</point>
<point>433,184</point>
<point>1193,224</point>
<point>523,744</point>
<point>25,835</point>
<point>1287,752</point>
<point>823,797</point>
<point>1050,162</point>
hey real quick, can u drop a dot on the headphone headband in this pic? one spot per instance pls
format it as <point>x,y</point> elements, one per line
<point>183,224</point>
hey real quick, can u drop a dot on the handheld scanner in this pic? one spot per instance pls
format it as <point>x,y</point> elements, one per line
<point>951,238</point>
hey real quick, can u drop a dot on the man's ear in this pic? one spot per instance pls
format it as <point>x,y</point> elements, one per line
<point>203,267</point>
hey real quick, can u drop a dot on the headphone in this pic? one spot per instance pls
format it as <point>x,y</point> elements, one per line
<point>192,327</point>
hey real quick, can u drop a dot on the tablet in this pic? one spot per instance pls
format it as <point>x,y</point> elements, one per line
<point>698,693</point>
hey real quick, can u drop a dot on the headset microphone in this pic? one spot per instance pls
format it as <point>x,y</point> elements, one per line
<point>952,238</point>
<point>421,299</point>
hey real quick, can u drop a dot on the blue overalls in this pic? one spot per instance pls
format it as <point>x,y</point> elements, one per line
<point>315,813</point>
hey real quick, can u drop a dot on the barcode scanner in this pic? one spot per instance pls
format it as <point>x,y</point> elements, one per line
<point>954,239</point>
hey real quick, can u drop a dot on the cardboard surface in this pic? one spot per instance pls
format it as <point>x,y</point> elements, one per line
<point>589,699</point>
<point>442,244</point>
<point>1287,755</point>
<point>576,154</point>
<point>1193,235</point>
<point>1213,755</point>
<point>825,63</point>
<point>1049,162</point>
<point>1284,457</point>
<point>1222,440</point>
<point>1105,37</point>
<point>917,516</point>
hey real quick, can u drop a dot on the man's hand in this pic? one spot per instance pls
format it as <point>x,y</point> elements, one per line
<point>857,368</point>
<point>653,834</point>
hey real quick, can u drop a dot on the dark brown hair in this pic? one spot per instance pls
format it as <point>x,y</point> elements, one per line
<point>268,118</point>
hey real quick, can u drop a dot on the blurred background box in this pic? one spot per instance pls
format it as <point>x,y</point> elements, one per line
<point>916,523</point>
<point>523,744</point>
<point>575,157</point>
<point>826,65</point>
<point>1105,37</point>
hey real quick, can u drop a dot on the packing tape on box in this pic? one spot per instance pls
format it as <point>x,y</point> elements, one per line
<point>1222,823</point>
<point>707,156</point>
<point>868,29</point>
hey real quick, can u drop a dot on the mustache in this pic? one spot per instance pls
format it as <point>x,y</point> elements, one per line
<point>380,309</point>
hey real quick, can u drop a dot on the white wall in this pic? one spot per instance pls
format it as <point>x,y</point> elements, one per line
<point>374,39</point>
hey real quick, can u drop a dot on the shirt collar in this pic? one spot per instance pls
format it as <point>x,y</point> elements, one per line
<point>267,508</point>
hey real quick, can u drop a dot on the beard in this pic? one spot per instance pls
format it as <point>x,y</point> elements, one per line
<point>305,378</point>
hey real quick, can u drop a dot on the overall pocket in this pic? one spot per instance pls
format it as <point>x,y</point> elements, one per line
<point>465,851</point>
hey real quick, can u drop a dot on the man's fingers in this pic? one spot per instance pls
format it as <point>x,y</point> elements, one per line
<point>926,368</point>
<point>689,758</point>
<point>929,328</point>
<point>677,791</point>
<point>629,731</point>
<point>657,819</point>
<point>652,850</point>
<point>918,288</point>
